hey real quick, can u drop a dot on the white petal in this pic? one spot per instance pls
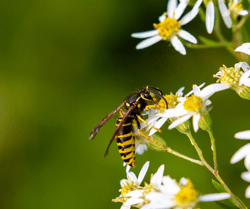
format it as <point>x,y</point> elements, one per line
<point>140,148</point>
<point>148,42</point>
<point>162,18</point>
<point>176,112</point>
<point>245,48</point>
<point>187,36</point>
<point>171,8</point>
<point>247,161</point>
<point>132,176</point>
<point>242,65</point>
<point>133,201</point>
<point>240,154</point>
<point>196,119</point>
<point>192,14</point>
<point>246,176</point>
<point>243,12</point>
<point>170,186</point>
<point>146,34</point>
<point>214,197</point>
<point>127,168</point>
<point>157,177</point>
<point>135,193</point>
<point>242,135</point>
<point>247,194</point>
<point>179,47</point>
<point>244,77</point>
<point>225,13</point>
<point>180,91</point>
<point>180,9</point>
<point>158,125</point>
<point>210,17</point>
<point>208,102</point>
<point>123,182</point>
<point>183,181</point>
<point>179,121</point>
<point>125,207</point>
<point>192,91</point>
<point>143,172</point>
<point>247,82</point>
<point>197,91</point>
<point>197,4</point>
<point>209,90</point>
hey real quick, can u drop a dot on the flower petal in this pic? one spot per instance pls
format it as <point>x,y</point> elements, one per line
<point>133,201</point>
<point>242,65</point>
<point>214,197</point>
<point>132,176</point>
<point>243,12</point>
<point>240,154</point>
<point>157,177</point>
<point>183,181</point>
<point>242,135</point>
<point>210,17</point>
<point>179,121</point>
<point>197,91</point>
<point>247,162</point>
<point>225,13</point>
<point>209,90</point>
<point>172,4</point>
<point>187,36</point>
<point>245,48</point>
<point>196,119</point>
<point>246,176</point>
<point>146,34</point>
<point>244,77</point>
<point>192,14</point>
<point>135,193</point>
<point>176,112</point>
<point>162,18</point>
<point>148,42</point>
<point>180,9</point>
<point>143,172</point>
<point>180,91</point>
<point>158,125</point>
<point>179,47</point>
<point>247,194</point>
<point>170,186</point>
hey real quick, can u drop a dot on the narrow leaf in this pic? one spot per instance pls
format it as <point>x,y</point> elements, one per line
<point>224,206</point>
<point>210,42</point>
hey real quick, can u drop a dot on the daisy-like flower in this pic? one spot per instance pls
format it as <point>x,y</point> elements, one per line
<point>179,195</point>
<point>236,8</point>
<point>194,106</point>
<point>245,48</point>
<point>132,193</point>
<point>246,176</point>
<point>243,152</point>
<point>237,78</point>
<point>170,27</point>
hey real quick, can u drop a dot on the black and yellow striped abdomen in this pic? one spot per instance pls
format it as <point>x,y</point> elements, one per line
<point>126,141</point>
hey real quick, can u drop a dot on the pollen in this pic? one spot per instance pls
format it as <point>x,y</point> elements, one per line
<point>193,103</point>
<point>172,102</point>
<point>229,76</point>
<point>168,28</point>
<point>187,195</point>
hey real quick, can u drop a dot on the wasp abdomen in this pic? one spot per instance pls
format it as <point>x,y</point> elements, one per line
<point>126,141</point>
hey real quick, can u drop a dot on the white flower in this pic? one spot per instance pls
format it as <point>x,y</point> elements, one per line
<point>243,152</point>
<point>178,195</point>
<point>193,106</point>
<point>169,27</point>
<point>246,176</point>
<point>236,8</point>
<point>245,48</point>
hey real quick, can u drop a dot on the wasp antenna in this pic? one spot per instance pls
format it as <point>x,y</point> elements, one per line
<point>154,88</point>
<point>160,96</point>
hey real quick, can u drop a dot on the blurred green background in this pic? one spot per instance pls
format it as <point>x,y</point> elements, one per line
<point>64,65</point>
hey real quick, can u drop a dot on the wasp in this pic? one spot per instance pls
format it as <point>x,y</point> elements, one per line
<point>124,132</point>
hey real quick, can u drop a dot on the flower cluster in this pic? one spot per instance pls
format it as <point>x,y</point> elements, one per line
<point>161,192</point>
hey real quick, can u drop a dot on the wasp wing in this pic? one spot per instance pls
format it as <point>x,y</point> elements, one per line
<point>103,121</point>
<point>118,129</point>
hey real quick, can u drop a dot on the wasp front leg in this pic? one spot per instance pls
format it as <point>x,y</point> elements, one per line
<point>143,121</point>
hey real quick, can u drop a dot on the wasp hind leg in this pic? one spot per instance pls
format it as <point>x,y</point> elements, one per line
<point>147,137</point>
<point>143,121</point>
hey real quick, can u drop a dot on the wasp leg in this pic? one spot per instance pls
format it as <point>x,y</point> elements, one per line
<point>142,120</point>
<point>147,108</point>
<point>147,137</point>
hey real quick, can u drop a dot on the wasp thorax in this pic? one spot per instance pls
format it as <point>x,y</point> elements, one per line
<point>168,28</point>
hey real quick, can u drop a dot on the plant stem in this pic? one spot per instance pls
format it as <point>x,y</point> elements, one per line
<point>217,176</point>
<point>184,157</point>
<point>213,147</point>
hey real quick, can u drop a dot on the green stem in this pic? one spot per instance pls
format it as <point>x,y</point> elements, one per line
<point>217,176</point>
<point>213,147</point>
<point>184,157</point>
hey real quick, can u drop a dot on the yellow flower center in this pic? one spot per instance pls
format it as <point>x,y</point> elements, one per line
<point>171,100</point>
<point>187,195</point>
<point>168,28</point>
<point>229,76</point>
<point>193,103</point>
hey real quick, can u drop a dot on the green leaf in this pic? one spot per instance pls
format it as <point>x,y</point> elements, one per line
<point>210,42</point>
<point>224,206</point>
<point>221,189</point>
